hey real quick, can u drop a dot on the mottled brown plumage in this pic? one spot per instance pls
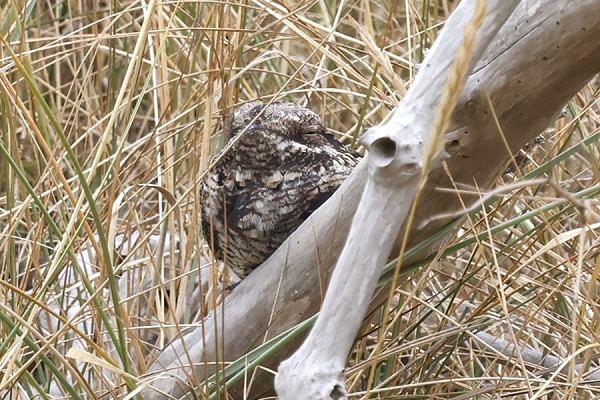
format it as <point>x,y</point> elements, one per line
<point>281,169</point>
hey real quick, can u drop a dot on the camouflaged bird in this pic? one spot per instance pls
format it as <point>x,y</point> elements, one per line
<point>281,169</point>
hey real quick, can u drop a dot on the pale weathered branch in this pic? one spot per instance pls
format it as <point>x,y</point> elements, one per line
<point>396,156</point>
<point>545,52</point>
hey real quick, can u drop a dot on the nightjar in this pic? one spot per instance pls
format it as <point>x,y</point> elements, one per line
<point>281,169</point>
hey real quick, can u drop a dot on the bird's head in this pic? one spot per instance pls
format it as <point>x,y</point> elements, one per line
<point>286,120</point>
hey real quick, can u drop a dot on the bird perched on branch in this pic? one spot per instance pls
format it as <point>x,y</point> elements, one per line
<point>279,166</point>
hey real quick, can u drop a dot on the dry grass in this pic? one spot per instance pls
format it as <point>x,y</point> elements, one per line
<point>109,114</point>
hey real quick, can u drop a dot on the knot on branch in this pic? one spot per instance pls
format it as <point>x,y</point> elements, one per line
<point>383,151</point>
<point>394,153</point>
<point>338,393</point>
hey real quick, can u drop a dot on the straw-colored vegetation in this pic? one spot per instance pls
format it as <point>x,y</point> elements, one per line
<point>109,114</point>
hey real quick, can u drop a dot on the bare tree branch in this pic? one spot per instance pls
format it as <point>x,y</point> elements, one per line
<point>398,154</point>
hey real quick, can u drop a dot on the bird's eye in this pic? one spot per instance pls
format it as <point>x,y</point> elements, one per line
<point>311,130</point>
